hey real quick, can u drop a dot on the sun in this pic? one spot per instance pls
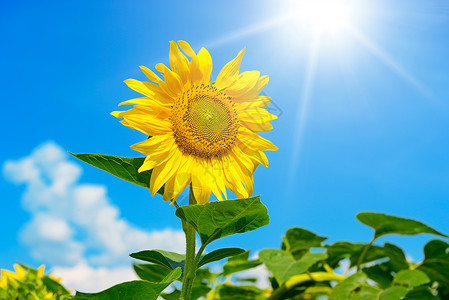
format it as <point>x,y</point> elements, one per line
<point>322,16</point>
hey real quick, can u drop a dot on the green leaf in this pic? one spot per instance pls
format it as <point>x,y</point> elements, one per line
<point>199,291</point>
<point>219,254</point>
<point>170,260</point>
<point>234,267</point>
<point>297,239</point>
<point>366,293</point>
<point>200,287</point>
<point>174,295</point>
<point>411,278</point>
<point>239,257</point>
<point>239,263</point>
<point>436,249</point>
<point>250,279</point>
<point>204,277</point>
<point>397,261</point>
<point>340,250</point>
<point>232,292</point>
<point>380,273</point>
<point>345,289</point>
<point>125,168</point>
<point>54,286</point>
<point>133,290</point>
<point>215,220</point>
<point>436,261</point>
<point>393,293</point>
<point>151,272</point>
<point>283,266</point>
<point>422,293</point>
<point>385,224</point>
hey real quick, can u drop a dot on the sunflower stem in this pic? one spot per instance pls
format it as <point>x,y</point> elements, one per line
<point>364,252</point>
<point>190,266</point>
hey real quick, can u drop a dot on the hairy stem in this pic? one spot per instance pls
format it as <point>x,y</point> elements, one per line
<point>190,266</point>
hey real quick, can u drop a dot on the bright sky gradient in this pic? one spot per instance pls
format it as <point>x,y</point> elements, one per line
<point>363,122</point>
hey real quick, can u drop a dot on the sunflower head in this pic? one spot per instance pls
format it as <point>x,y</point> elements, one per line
<point>29,283</point>
<point>201,132</point>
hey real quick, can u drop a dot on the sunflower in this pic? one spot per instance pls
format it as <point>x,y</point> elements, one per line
<point>201,132</point>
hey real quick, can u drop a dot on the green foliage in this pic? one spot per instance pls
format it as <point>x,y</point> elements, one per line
<point>346,289</point>
<point>170,260</point>
<point>218,255</point>
<point>303,268</point>
<point>297,239</point>
<point>233,292</point>
<point>239,263</point>
<point>151,272</point>
<point>125,168</point>
<point>283,266</point>
<point>133,290</point>
<point>301,272</point>
<point>215,220</point>
<point>341,250</point>
<point>436,265</point>
<point>384,224</point>
<point>410,278</point>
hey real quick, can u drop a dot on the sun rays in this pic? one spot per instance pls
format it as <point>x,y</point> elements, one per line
<point>321,21</point>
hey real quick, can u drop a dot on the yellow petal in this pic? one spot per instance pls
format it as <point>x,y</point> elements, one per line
<point>179,63</point>
<point>201,183</point>
<point>251,94</point>
<point>245,168</point>
<point>220,181</point>
<point>164,171</point>
<point>233,179</point>
<point>205,65</point>
<point>257,102</point>
<point>243,85</point>
<point>259,156</point>
<point>186,48</point>
<point>139,86</point>
<point>155,110</point>
<point>40,271</point>
<point>182,178</point>
<point>256,115</point>
<point>143,100</point>
<point>228,74</point>
<point>20,271</point>
<point>160,93</point>
<point>154,143</point>
<point>196,75</point>
<point>244,160</point>
<point>257,127</point>
<point>143,121</point>
<point>160,153</point>
<point>173,83</point>
<point>255,141</point>
<point>150,74</point>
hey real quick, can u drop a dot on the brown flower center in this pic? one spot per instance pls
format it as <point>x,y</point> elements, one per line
<point>204,122</point>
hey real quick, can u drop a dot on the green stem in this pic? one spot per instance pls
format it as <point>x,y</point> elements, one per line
<point>364,252</point>
<point>190,267</point>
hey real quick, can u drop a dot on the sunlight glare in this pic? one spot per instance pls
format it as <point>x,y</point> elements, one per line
<point>322,16</point>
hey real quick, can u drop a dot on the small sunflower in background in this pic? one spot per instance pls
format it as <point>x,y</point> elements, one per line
<point>201,132</point>
<point>29,283</point>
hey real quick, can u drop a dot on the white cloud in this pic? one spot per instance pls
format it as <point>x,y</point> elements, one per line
<point>261,273</point>
<point>85,278</point>
<point>73,225</point>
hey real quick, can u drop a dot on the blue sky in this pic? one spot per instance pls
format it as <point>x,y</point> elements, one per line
<point>363,113</point>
